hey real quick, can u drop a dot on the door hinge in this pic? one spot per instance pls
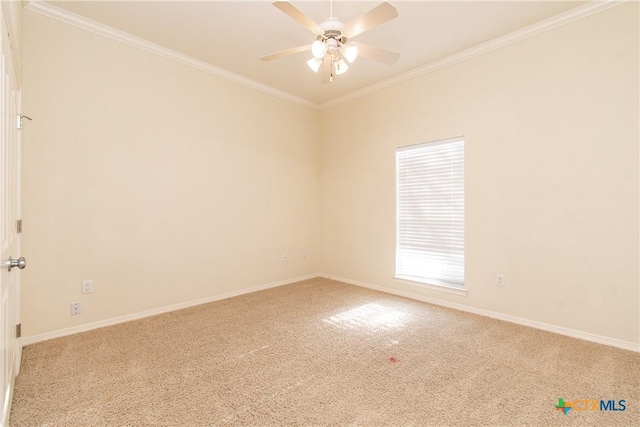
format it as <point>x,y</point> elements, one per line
<point>19,226</point>
<point>19,330</point>
<point>20,120</point>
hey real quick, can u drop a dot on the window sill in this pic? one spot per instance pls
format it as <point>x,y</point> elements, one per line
<point>432,284</point>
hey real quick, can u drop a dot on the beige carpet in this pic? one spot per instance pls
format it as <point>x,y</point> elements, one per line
<point>320,352</point>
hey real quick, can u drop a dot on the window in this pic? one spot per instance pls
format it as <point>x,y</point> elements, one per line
<point>430,213</point>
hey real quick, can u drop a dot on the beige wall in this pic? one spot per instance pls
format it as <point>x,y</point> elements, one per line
<point>161,183</point>
<point>551,130</point>
<point>164,184</point>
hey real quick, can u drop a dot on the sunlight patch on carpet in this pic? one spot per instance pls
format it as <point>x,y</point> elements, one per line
<point>371,316</point>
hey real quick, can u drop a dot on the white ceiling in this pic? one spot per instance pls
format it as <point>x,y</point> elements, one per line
<point>233,35</point>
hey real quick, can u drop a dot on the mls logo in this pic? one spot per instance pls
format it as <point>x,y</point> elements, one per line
<point>590,405</point>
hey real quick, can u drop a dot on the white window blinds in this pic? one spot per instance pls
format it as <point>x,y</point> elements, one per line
<point>430,212</point>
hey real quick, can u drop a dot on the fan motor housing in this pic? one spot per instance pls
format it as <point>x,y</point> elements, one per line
<point>333,30</point>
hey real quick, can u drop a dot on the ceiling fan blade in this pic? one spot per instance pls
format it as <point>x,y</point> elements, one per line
<point>376,16</point>
<point>286,52</point>
<point>377,54</point>
<point>296,14</point>
<point>325,69</point>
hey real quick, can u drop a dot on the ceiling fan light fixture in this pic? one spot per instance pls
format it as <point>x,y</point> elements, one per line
<point>318,49</point>
<point>341,66</point>
<point>314,64</point>
<point>350,53</point>
<point>329,48</point>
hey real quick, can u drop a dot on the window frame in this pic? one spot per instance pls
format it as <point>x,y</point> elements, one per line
<point>425,282</point>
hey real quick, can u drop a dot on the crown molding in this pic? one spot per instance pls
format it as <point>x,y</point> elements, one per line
<point>548,24</point>
<point>78,21</point>
<point>497,43</point>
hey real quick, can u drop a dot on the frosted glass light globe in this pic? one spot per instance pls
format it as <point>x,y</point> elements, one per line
<point>318,49</point>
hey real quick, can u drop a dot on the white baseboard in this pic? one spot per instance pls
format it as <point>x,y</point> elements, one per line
<point>135,316</point>
<point>586,336</point>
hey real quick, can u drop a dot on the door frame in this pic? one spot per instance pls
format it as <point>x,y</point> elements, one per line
<point>11,204</point>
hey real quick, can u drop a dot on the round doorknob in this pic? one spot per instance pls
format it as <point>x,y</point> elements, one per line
<point>20,263</point>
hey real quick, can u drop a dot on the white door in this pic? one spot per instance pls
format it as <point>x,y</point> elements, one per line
<point>11,348</point>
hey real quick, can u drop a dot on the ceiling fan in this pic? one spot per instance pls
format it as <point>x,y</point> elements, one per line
<point>332,45</point>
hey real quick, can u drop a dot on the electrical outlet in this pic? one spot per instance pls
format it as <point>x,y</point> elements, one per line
<point>304,254</point>
<point>500,279</point>
<point>76,308</point>
<point>87,286</point>
<point>285,258</point>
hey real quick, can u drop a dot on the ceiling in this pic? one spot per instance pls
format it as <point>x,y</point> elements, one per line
<point>233,35</point>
